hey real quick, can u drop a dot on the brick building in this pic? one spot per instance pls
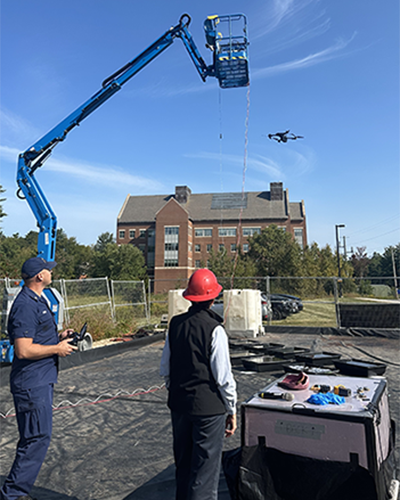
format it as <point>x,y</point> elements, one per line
<point>177,232</point>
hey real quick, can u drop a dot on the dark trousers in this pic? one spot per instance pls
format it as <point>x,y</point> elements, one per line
<point>198,445</point>
<point>34,417</point>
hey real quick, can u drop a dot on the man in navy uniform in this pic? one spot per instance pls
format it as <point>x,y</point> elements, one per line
<point>201,390</point>
<point>37,345</point>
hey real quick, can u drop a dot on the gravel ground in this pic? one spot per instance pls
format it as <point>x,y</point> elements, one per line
<point>115,448</point>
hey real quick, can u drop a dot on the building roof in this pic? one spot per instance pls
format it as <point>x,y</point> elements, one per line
<point>215,206</point>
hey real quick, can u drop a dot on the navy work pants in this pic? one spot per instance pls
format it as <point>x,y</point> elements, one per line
<point>198,445</point>
<point>34,417</point>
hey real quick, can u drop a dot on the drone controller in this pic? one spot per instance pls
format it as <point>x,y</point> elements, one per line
<point>77,337</point>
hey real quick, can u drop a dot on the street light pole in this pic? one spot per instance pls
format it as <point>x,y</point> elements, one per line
<point>337,226</point>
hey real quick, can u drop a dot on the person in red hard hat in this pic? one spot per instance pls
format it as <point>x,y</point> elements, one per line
<point>201,390</point>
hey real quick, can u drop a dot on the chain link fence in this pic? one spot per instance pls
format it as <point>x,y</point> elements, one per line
<point>129,297</point>
<point>101,297</point>
<point>84,294</point>
<point>323,299</point>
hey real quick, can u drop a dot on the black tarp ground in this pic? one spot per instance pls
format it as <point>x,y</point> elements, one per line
<point>47,493</point>
<point>118,447</point>
<point>112,448</point>
<point>162,487</point>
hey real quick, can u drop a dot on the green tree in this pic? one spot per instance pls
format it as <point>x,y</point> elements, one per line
<point>275,253</point>
<point>73,260</point>
<point>102,241</point>
<point>220,264</point>
<point>360,262</point>
<point>14,251</point>
<point>391,254</point>
<point>231,271</point>
<point>123,262</point>
<point>375,265</point>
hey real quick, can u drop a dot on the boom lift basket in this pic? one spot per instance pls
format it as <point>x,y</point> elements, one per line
<point>230,50</point>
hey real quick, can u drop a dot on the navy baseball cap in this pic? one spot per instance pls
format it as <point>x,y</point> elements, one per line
<point>33,266</point>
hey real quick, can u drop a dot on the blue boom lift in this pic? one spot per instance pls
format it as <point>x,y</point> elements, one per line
<point>229,66</point>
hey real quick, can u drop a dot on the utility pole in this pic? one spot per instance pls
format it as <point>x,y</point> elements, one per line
<point>395,276</point>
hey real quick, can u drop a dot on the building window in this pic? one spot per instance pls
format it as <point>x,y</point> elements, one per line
<point>221,247</point>
<point>298,236</point>
<point>197,264</point>
<point>142,233</point>
<point>171,246</point>
<point>197,248</point>
<point>122,233</point>
<point>142,247</point>
<point>209,247</point>
<point>131,234</point>
<point>227,231</point>
<point>249,231</point>
<point>282,227</point>
<point>151,248</point>
<point>245,247</point>
<point>201,233</point>
<point>233,247</point>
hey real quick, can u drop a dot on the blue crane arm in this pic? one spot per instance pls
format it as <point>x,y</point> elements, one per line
<point>34,157</point>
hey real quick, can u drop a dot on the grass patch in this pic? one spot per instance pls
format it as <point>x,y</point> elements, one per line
<point>313,314</point>
<point>102,326</point>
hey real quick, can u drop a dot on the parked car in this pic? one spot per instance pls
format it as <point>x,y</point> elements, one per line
<point>281,306</point>
<point>296,301</point>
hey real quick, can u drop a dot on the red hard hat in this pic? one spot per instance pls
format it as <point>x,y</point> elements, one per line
<point>202,286</point>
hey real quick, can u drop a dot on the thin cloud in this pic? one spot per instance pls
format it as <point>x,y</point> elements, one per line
<point>294,37</point>
<point>16,129</point>
<point>9,154</point>
<point>258,163</point>
<point>170,88</point>
<point>280,13</point>
<point>110,176</point>
<point>325,55</point>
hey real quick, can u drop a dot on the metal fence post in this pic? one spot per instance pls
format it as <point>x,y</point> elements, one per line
<point>149,301</point>
<point>268,290</point>
<point>112,299</point>
<point>336,295</point>
<point>65,297</point>
<point>146,308</point>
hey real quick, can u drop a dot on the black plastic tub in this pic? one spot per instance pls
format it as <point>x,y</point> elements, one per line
<point>264,363</point>
<point>318,358</point>
<point>265,348</point>
<point>238,356</point>
<point>360,368</point>
<point>242,343</point>
<point>288,352</point>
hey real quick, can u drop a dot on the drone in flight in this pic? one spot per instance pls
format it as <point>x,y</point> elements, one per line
<point>284,136</point>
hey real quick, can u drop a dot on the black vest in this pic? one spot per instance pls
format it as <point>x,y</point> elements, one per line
<point>192,388</point>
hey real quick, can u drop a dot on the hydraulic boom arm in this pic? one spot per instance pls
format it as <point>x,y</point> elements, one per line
<point>229,54</point>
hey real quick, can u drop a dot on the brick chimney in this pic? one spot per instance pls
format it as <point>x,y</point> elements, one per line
<point>276,189</point>
<point>182,194</point>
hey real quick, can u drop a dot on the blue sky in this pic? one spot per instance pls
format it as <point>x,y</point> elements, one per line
<point>326,70</point>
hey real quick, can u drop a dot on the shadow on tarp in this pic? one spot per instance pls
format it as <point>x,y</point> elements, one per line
<point>44,493</point>
<point>162,487</point>
<point>96,354</point>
